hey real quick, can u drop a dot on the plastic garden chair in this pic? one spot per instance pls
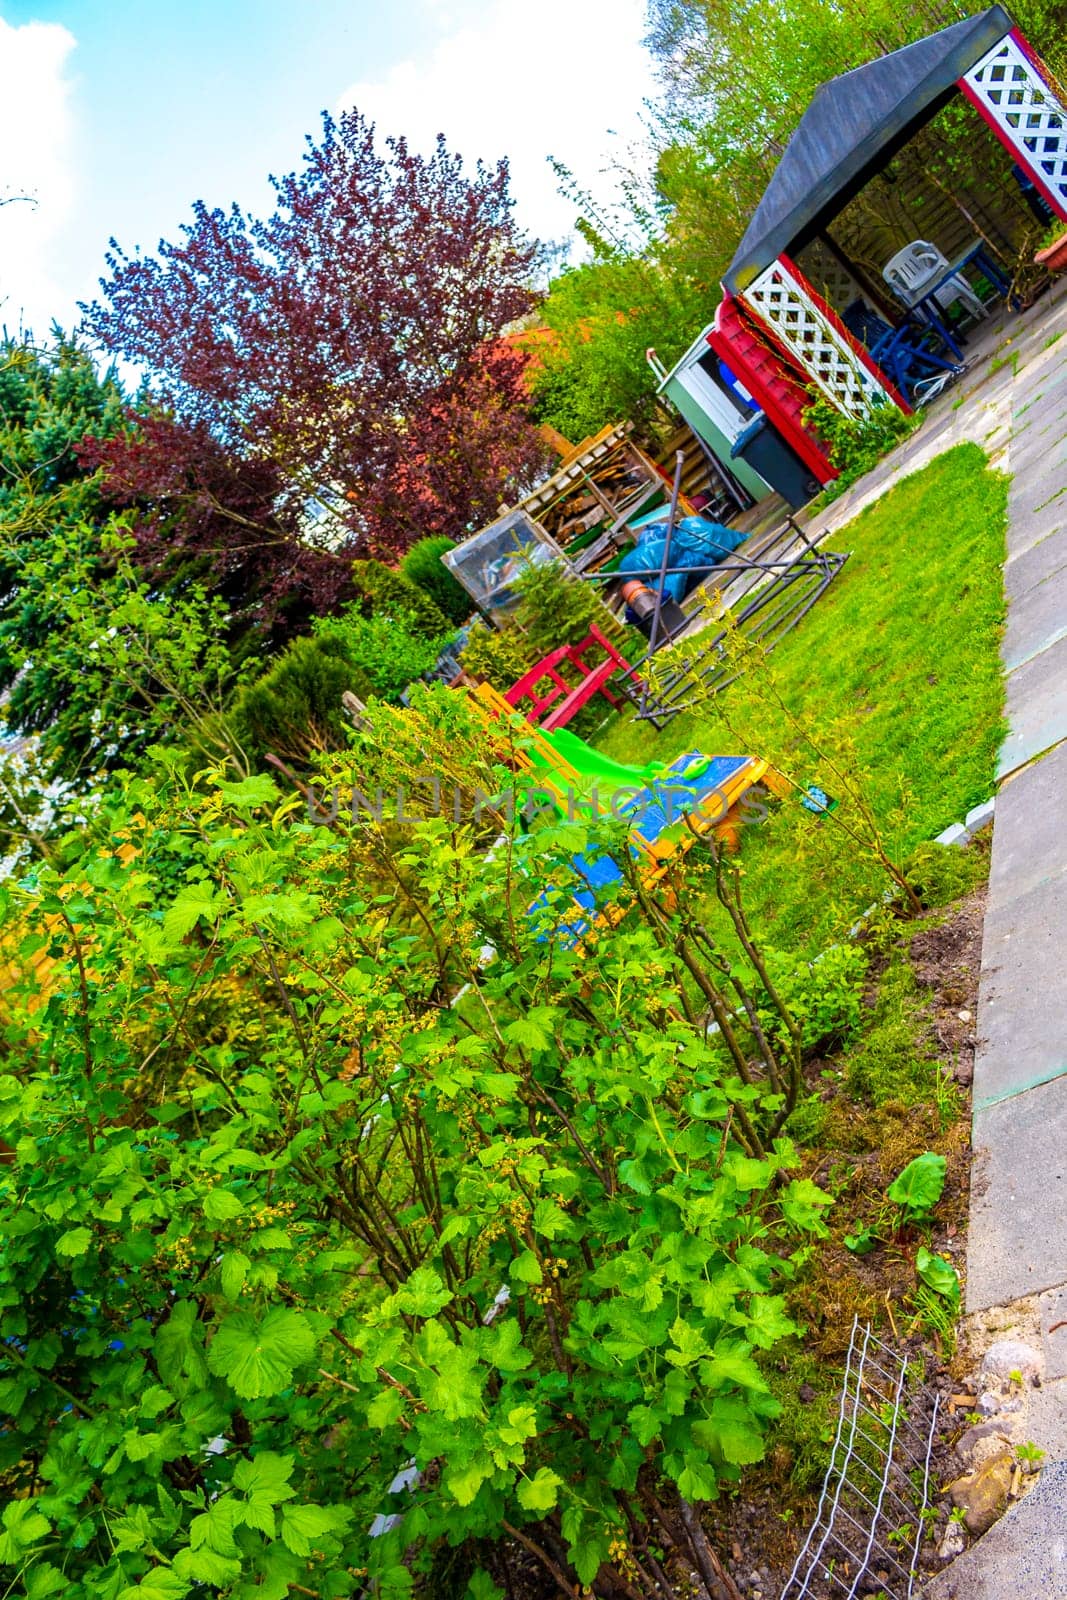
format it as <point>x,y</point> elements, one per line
<point>913,269</point>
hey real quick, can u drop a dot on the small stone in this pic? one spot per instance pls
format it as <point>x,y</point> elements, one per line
<point>966,1443</point>
<point>964,1016</point>
<point>953,1542</point>
<point>1010,1355</point>
<point>987,1404</point>
<point>982,1444</point>
<point>805,1394</point>
<point>982,1495</point>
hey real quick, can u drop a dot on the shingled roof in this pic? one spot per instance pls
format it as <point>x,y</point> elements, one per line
<point>854,124</point>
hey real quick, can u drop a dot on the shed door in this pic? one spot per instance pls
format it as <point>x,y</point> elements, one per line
<point>726,415</point>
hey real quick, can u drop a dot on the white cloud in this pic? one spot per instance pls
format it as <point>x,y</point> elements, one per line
<point>35,160</point>
<point>565,78</point>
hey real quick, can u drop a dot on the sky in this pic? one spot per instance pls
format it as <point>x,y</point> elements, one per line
<point>116,115</point>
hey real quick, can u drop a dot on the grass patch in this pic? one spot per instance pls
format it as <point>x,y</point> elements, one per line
<point>1051,340</point>
<point>899,664</point>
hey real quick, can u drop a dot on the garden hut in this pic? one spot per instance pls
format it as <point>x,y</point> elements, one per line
<point>711,406</point>
<point>779,327</point>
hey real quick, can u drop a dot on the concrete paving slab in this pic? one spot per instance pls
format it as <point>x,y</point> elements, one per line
<point>1044,560</point>
<point>1027,527</point>
<point>1018,1242</point>
<point>1022,999</point>
<point>1022,1557</point>
<point>1035,621</point>
<point>1046,1419</point>
<point>1039,462</point>
<point>1052,1309</point>
<point>1036,708</point>
<point>1029,840</point>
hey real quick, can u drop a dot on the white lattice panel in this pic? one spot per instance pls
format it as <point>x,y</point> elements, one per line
<point>1016,99</point>
<point>833,281</point>
<point>785,305</point>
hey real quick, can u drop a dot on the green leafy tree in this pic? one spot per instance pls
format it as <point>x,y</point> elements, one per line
<point>49,505</point>
<point>382,592</point>
<point>294,710</point>
<point>604,316</point>
<point>423,566</point>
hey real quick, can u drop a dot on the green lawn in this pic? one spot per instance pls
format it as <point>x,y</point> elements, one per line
<point>896,672</point>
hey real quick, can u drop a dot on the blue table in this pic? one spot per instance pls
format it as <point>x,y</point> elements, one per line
<point>926,306</point>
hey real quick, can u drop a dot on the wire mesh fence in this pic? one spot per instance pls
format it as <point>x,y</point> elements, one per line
<point>870,1521</point>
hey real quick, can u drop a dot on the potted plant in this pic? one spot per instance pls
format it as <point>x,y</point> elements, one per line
<point>1052,248</point>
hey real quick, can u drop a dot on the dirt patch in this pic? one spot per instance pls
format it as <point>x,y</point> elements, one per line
<point>947,962</point>
<point>861,1148</point>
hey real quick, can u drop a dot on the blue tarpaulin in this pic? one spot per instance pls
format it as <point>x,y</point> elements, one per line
<point>697,544</point>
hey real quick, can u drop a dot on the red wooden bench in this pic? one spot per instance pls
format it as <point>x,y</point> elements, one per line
<point>552,700</point>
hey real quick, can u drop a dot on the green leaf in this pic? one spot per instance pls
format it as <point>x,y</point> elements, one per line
<point>861,1243</point>
<point>207,1566</point>
<point>767,1320</point>
<point>423,1293</point>
<point>75,1242</point>
<point>23,1525</point>
<point>918,1188</point>
<point>540,1492</point>
<point>697,1479</point>
<point>385,1408</point>
<point>463,1482</point>
<point>732,1430</point>
<point>520,1426</point>
<point>257,1358</point>
<point>689,1344</point>
<point>646,1424</point>
<point>304,1526</point>
<point>803,1204</point>
<point>938,1274</point>
<point>233,1271</point>
<point>264,1483</point>
<point>482,1587</point>
<point>250,792</point>
<point>44,1580</point>
<point>221,1206</point>
<point>748,1173</point>
<point>550,1220</point>
<point>178,1345</point>
<point>162,1583</point>
<point>526,1268</point>
<point>196,901</point>
<point>731,1363</point>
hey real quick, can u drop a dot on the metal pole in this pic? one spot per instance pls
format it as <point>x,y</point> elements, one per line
<point>679,462</point>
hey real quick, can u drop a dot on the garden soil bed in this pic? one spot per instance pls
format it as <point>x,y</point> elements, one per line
<point>759,1533</point>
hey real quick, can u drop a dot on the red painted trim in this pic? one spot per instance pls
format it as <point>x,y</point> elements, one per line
<point>807,448</point>
<point>1022,157</point>
<point>850,339</point>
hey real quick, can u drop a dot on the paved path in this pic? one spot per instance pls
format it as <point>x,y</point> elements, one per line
<point>1018,1234</point>
<point>1017,1246</point>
